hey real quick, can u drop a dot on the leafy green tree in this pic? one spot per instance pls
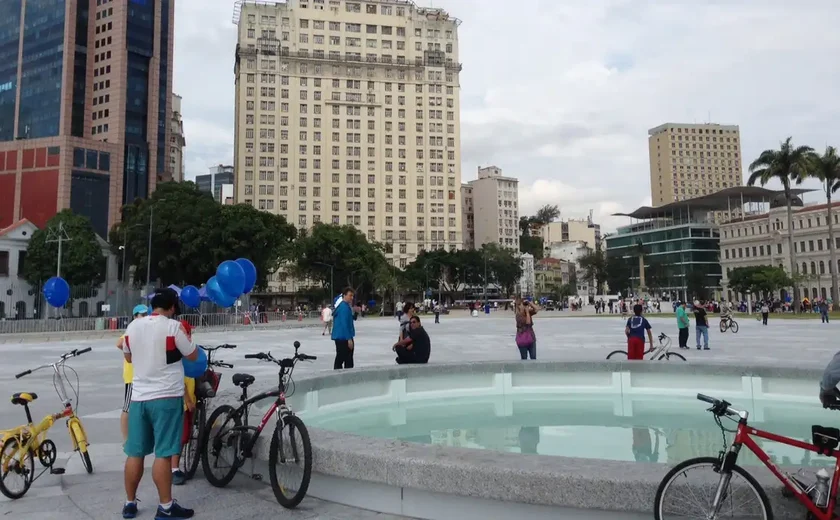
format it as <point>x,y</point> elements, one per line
<point>192,234</point>
<point>696,282</point>
<point>594,268</point>
<point>533,245</point>
<point>547,214</point>
<point>82,260</point>
<point>657,275</point>
<point>563,291</point>
<point>761,280</point>
<point>342,253</point>
<point>504,267</point>
<point>788,165</point>
<point>826,168</point>
<point>617,274</point>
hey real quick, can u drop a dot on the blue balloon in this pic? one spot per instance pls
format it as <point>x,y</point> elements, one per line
<point>190,296</point>
<point>56,291</point>
<point>231,278</point>
<point>217,294</point>
<point>250,273</point>
<point>195,369</point>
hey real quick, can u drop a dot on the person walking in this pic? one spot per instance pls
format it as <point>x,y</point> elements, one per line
<point>526,339</point>
<point>344,331</point>
<point>635,332</point>
<point>765,312</point>
<point>437,312</point>
<point>155,346</point>
<point>326,317</point>
<point>682,325</point>
<point>701,323</point>
<point>140,311</point>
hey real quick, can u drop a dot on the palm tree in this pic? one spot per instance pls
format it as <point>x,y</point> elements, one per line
<point>788,165</point>
<point>826,168</point>
<point>547,214</point>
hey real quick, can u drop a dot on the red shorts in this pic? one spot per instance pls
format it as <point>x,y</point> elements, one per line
<point>188,420</point>
<point>635,348</point>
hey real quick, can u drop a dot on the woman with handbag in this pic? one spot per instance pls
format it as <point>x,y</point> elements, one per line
<point>526,340</point>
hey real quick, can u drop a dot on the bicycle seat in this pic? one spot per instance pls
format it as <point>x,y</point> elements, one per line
<point>243,380</point>
<point>24,398</point>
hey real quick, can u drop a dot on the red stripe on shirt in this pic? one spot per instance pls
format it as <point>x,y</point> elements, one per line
<point>170,343</point>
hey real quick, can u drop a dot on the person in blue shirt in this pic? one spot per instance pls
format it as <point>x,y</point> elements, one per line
<point>635,331</point>
<point>344,331</point>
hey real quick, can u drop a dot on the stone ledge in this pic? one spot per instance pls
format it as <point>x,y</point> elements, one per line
<point>523,478</point>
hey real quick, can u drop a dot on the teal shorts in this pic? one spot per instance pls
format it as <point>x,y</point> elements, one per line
<point>155,426</point>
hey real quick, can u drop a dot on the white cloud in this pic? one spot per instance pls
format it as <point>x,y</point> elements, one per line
<point>561,94</point>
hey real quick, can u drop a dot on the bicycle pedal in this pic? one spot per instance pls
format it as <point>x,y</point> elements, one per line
<point>256,476</point>
<point>56,471</point>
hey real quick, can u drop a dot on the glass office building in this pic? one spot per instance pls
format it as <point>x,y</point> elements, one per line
<point>66,139</point>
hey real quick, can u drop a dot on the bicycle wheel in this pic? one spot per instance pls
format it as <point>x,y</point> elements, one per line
<point>734,327</point>
<point>80,440</point>
<point>617,354</point>
<point>669,355</point>
<point>723,326</point>
<point>14,470</point>
<point>221,446</point>
<point>191,451</point>
<point>681,496</point>
<point>290,454</point>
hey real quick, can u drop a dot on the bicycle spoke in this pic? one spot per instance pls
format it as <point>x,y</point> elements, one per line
<point>691,493</point>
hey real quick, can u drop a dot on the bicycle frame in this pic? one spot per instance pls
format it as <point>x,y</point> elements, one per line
<point>277,407</point>
<point>744,437</point>
<point>663,347</point>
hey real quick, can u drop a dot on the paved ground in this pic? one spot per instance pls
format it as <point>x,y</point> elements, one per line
<point>561,336</point>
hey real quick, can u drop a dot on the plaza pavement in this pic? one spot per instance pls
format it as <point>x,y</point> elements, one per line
<point>560,336</point>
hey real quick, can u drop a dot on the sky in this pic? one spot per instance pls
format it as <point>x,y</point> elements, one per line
<point>561,93</point>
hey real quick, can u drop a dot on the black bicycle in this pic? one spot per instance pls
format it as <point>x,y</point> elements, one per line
<point>229,439</point>
<point>205,389</point>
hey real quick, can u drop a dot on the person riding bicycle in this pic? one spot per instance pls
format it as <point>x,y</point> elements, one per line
<point>726,311</point>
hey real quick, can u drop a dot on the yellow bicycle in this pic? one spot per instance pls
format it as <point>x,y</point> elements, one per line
<point>22,445</point>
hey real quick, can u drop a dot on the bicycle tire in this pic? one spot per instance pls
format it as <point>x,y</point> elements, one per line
<point>80,440</point>
<point>618,354</point>
<point>666,482</point>
<point>12,445</point>
<point>723,326</point>
<point>734,327</point>
<point>191,451</point>
<point>667,356</point>
<point>295,425</point>
<point>210,443</point>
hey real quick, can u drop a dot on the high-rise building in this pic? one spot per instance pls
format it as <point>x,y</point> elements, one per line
<point>177,141</point>
<point>491,209</point>
<point>572,230</point>
<point>85,105</point>
<point>347,112</point>
<point>216,181</point>
<point>688,161</point>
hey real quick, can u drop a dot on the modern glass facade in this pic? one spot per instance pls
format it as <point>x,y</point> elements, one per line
<point>676,250</point>
<point>43,56</point>
<point>9,46</point>
<point>140,42</point>
<point>77,125</point>
<point>163,92</point>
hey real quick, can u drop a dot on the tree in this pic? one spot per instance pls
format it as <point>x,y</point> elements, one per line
<point>617,274</point>
<point>340,253</point>
<point>656,275</point>
<point>761,280</point>
<point>192,234</point>
<point>788,165</point>
<point>564,291</point>
<point>532,245</point>
<point>696,284</point>
<point>82,260</point>
<point>594,267</point>
<point>546,215</point>
<point>503,267</point>
<point>826,168</point>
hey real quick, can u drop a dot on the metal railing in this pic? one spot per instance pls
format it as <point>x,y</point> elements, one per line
<point>200,322</point>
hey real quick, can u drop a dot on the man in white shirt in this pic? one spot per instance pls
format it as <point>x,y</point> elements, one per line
<point>155,345</point>
<point>326,317</point>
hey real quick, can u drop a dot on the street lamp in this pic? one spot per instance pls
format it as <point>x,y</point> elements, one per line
<point>149,255</point>
<point>332,267</point>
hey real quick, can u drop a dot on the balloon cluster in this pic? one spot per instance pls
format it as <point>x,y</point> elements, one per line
<point>56,291</point>
<point>232,280</point>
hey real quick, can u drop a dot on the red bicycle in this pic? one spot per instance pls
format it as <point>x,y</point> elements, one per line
<point>725,490</point>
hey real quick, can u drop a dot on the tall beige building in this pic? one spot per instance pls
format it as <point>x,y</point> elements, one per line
<point>347,112</point>
<point>572,230</point>
<point>491,209</point>
<point>177,141</point>
<point>688,161</point>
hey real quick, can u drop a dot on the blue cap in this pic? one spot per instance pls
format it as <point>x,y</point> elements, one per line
<point>140,309</point>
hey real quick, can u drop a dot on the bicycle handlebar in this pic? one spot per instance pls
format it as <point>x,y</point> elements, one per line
<point>719,406</point>
<point>62,358</point>
<point>217,347</point>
